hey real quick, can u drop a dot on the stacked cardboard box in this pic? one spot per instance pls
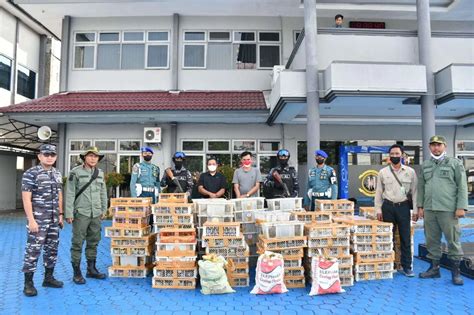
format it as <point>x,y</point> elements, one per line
<point>131,238</point>
<point>172,211</point>
<point>225,239</point>
<point>286,238</point>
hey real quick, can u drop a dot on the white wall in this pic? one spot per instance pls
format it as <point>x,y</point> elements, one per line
<point>7,182</point>
<point>7,40</point>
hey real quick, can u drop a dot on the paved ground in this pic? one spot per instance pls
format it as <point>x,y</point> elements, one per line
<point>135,296</point>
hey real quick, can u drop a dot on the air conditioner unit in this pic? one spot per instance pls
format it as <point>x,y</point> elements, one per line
<point>152,135</point>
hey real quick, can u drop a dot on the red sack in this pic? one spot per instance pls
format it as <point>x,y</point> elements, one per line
<point>325,274</point>
<point>269,276</point>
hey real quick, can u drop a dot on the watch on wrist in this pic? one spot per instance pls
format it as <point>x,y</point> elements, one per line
<point>247,195</point>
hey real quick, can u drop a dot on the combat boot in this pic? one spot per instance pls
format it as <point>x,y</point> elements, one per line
<point>78,278</point>
<point>432,272</point>
<point>456,272</point>
<point>29,289</point>
<point>49,280</point>
<point>92,271</point>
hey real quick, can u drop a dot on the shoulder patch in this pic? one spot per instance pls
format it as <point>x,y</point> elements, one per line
<point>71,177</point>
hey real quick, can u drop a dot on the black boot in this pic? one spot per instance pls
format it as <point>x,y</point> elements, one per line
<point>456,272</point>
<point>92,271</point>
<point>432,272</point>
<point>49,280</point>
<point>29,289</point>
<point>78,278</point>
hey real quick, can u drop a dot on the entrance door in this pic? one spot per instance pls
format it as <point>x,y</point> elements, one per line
<point>468,161</point>
<point>126,162</point>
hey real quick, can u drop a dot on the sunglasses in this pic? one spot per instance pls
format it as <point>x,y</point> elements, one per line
<point>179,155</point>
<point>283,153</point>
<point>49,154</point>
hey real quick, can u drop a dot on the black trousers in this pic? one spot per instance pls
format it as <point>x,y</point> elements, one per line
<point>399,215</point>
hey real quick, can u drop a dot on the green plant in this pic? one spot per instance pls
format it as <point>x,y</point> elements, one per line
<point>228,172</point>
<point>113,180</point>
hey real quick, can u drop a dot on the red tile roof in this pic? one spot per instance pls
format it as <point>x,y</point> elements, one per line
<point>142,101</point>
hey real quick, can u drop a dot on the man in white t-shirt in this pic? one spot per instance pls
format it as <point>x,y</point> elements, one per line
<point>246,178</point>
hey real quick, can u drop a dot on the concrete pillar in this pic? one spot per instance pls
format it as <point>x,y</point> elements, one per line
<point>62,149</point>
<point>313,132</point>
<point>174,137</point>
<point>424,51</point>
<point>42,66</point>
<point>65,43</point>
<point>175,53</point>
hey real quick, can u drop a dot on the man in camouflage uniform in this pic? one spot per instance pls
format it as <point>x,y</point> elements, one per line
<point>86,206</point>
<point>442,200</point>
<point>42,199</point>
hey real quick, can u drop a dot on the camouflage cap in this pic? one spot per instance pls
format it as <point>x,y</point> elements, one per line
<point>47,148</point>
<point>93,150</point>
<point>438,139</point>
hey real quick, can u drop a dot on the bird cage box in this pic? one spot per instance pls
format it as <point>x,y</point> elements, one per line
<point>345,271</point>
<point>368,212</point>
<point>173,198</point>
<point>272,216</point>
<point>130,221</point>
<point>175,235</point>
<point>334,251</point>
<point>203,219</point>
<point>373,275</point>
<point>238,271</point>
<point>176,262</point>
<point>294,271</point>
<point>374,266</point>
<point>312,217</point>
<point>287,253</point>
<point>221,241</point>
<point>238,260</point>
<point>372,248</point>
<point>327,230</point>
<point>180,284</point>
<point>373,257</point>
<point>344,205</point>
<point>319,242</point>
<point>172,208</point>
<point>254,203</point>
<point>371,238</point>
<point>127,231</point>
<point>245,216</point>
<point>295,282</point>
<point>158,227</point>
<point>346,260</point>
<point>229,252</point>
<point>132,251</point>
<point>236,281</point>
<point>325,204</point>
<point>130,206</point>
<point>251,238</point>
<point>365,226</point>
<point>213,229</point>
<point>133,242</point>
<point>144,202</point>
<point>289,263</point>
<point>174,273</point>
<point>288,204</point>
<point>175,249</point>
<point>172,219</point>
<point>214,207</point>
<point>338,213</point>
<point>129,272</point>
<point>282,229</point>
<point>131,261</point>
<point>282,243</point>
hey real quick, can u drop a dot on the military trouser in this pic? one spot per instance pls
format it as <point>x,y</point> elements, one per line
<point>88,229</point>
<point>442,222</point>
<point>47,238</point>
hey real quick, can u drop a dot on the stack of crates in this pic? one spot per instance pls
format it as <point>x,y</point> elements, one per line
<point>175,263</point>
<point>213,210</point>
<point>341,207</point>
<point>245,209</point>
<point>310,217</point>
<point>285,204</point>
<point>286,238</point>
<point>372,247</point>
<point>330,240</point>
<point>368,212</point>
<point>225,239</point>
<point>172,211</point>
<point>132,243</point>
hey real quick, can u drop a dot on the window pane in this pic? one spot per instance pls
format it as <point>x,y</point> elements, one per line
<point>219,56</point>
<point>105,145</point>
<point>108,56</point>
<point>133,56</point>
<point>85,37</point>
<point>218,146</point>
<point>74,161</point>
<point>194,56</point>
<point>133,36</point>
<point>222,159</point>
<point>130,145</point>
<point>245,56</point>
<point>158,36</point>
<point>269,146</point>
<point>244,145</point>
<point>157,56</point>
<point>219,36</point>
<point>26,82</point>
<point>109,163</point>
<point>125,168</point>
<point>79,145</point>
<point>269,56</point>
<point>84,57</point>
<point>5,72</point>
<point>465,146</point>
<point>244,36</point>
<point>302,147</point>
<point>109,37</point>
<point>193,146</point>
<point>269,37</point>
<point>297,34</point>
<point>194,36</point>
<point>194,163</point>
<point>266,163</point>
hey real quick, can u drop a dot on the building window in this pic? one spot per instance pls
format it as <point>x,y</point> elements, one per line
<point>108,56</point>
<point>105,145</point>
<point>5,73</point>
<point>218,145</point>
<point>269,146</point>
<point>129,145</point>
<point>157,56</point>
<point>244,145</point>
<point>79,145</point>
<point>26,82</point>
<point>193,145</point>
<point>84,57</point>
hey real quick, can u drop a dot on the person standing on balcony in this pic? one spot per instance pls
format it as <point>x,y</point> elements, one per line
<point>282,181</point>
<point>442,200</point>
<point>246,178</point>
<point>339,21</point>
<point>145,180</point>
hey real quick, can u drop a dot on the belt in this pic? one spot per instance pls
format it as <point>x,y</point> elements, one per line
<point>148,189</point>
<point>396,204</point>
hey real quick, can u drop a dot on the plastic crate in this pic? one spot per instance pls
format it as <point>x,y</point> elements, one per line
<point>128,272</point>
<point>133,242</point>
<point>330,205</point>
<point>282,229</point>
<point>327,230</point>
<point>181,284</point>
<point>239,281</point>
<point>340,251</point>
<point>368,212</point>
<point>285,203</point>
<point>175,262</point>
<point>201,220</point>
<point>245,216</point>
<point>374,266</point>
<point>371,238</point>
<point>374,275</point>
<point>175,249</point>
<point>213,229</point>
<point>231,241</point>
<point>173,219</point>
<point>372,227</point>
<point>214,207</point>
<point>345,271</point>
<point>328,241</point>
<point>132,251</point>
<point>131,222</point>
<point>373,257</point>
<point>131,261</point>
<point>288,253</point>
<point>372,248</point>
<point>144,202</point>
<point>294,271</point>
<point>157,228</point>
<point>347,281</point>
<point>174,235</point>
<point>312,217</point>
<point>282,243</point>
<point>173,198</point>
<point>272,216</point>
<point>295,282</point>
<point>174,273</point>
<point>291,263</point>
<point>127,231</point>
<point>254,203</point>
<point>228,252</point>
<point>172,208</point>
<point>339,213</point>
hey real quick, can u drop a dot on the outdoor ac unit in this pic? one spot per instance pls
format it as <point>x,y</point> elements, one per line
<point>152,135</point>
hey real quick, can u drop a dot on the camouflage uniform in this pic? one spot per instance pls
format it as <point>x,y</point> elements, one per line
<point>184,178</point>
<point>288,176</point>
<point>45,186</point>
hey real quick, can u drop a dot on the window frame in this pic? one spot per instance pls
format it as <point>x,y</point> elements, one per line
<point>157,43</point>
<point>244,140</point>
<point>204,44</point>
<point>269,140</point>
<point>217,151</point>
<point>17,85</point>
<point>11,72</point>
<point>269,44</point>
<point>82,140</point>
<point>234,41</point>
<point>219,40</point>
<point>69,166</point>
<point>106,140</point>
<point>128,152</point>
<point>123,41</point>
<point>203,151</point>
<point>194,40</point>
<point>119,41</point>
<point>194,153</point>
<point>94,66</point>
<point>269,41</point>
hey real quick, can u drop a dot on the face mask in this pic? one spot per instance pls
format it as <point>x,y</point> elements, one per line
<point>439,157</point>
<point>283,162</point>
<point>212,168</point>
<point>395,159</point>
<point>320,161</point>
<point>247,163</point>
<point>178,164</point>
<point>147,158</point>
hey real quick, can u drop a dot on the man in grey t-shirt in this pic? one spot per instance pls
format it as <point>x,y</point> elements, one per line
<point>246,178</point>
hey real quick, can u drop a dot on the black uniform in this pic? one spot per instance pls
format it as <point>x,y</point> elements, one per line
<point>273,189</point>
<point>184,178</point>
